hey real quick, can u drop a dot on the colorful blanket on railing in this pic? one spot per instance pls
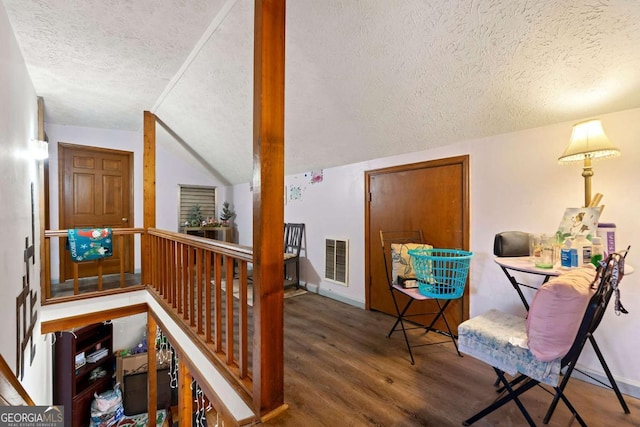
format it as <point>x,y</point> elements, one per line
<point>86,244</point>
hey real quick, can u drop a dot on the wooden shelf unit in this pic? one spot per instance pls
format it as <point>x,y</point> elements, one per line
<point>73,388</point>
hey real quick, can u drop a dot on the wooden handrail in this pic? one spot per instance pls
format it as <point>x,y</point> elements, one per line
<point>11,391</point>
<point>115,232</point>
<point>241,252</point>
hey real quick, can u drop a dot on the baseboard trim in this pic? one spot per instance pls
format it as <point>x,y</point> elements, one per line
<point>317,290</point>
<point>626,387</point>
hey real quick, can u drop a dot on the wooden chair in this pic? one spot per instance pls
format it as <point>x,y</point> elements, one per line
<point>293,234</point>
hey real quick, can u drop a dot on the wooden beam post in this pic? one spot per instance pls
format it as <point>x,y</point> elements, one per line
<point>268,205</point>
<point>43,203</point>
<point>149,190</point>
<point>152,373</point>
<point>185,398</point>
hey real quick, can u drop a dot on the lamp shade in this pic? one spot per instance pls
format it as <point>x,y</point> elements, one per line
<point>588,140</point>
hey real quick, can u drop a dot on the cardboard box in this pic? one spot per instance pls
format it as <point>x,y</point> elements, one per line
<point>135,364</point>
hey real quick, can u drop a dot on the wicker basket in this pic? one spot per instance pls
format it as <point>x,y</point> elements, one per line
<point>441,273</point>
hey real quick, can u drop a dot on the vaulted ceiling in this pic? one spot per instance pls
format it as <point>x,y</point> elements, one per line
<point>364,79</point>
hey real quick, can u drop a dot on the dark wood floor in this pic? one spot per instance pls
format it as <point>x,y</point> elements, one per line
<point>341,370</point>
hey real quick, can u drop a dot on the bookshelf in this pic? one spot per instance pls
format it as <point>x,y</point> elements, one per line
<point>74,382</point>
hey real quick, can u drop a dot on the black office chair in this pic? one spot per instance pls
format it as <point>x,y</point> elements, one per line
<point>293,235</point>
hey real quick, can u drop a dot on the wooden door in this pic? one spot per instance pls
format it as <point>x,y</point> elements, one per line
<point>431,196</point>
<point>96,190</point>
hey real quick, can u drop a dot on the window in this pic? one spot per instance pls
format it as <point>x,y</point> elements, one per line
<point>196,198</point>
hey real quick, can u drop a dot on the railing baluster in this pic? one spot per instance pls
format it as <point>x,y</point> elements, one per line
<point>229,338</point>
<point>76,287</point>
<point>47,268</point>
<point>170,270</point>
<point>167,268</point>
<point>243,320</point>
<point>200,279</point>
<point>163,268</point>
<point>207,297</point>
<point>153,247</point>
<point>100,261</point>
<point>217,269</point>
<point>191,285</point>
<point>185,279</point>
<point>172,274</point>
<point>122,258</point>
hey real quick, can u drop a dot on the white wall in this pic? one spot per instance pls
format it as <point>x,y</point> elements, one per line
<point>516,183</point>
<point>175,166</point>
<point>18,125</point>
<point>129,331</point>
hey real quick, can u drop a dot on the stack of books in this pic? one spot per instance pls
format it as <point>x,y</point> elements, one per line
<point>97,355</point>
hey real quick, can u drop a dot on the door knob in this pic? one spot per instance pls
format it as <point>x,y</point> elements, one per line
<point>125,219</point>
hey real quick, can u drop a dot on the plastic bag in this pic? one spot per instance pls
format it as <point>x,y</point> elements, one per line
<point>106,408</point>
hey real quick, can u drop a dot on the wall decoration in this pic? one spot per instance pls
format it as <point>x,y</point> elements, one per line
<point>26,314</point>
<point>295,193</point>
<point>297,184</point>
<point>315,177</point>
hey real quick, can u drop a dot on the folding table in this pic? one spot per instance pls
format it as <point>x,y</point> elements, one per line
<point>526,265</point>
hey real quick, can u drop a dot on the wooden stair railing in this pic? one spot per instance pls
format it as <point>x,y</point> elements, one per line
<point>205,283</point>
<point>11,391</point>
<point>188,275</point>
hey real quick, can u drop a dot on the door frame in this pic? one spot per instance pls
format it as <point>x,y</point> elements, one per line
<point>461,160</point>
<point>62,146</point>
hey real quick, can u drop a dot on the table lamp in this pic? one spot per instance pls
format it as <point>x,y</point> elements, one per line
<point>588,141</point>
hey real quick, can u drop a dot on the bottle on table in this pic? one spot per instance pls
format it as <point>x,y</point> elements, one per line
<point>584,248</point>
<point>596,251</point>
<point>565,255</point>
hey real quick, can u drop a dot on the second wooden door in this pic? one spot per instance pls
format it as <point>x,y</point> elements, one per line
<point>430,196</point>
<point>95,191</point>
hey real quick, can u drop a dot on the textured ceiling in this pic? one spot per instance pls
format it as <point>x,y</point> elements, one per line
<point>364,79</point>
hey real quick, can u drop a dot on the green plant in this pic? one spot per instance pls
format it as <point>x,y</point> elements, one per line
<point>227,213</point>
<point>195,216</point>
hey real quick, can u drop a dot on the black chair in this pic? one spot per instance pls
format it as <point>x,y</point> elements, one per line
<point>403,287</point>
<point>494,337</point>
<point>293,234</point>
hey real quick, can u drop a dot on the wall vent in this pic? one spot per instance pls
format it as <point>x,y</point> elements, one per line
<point>336,260</point>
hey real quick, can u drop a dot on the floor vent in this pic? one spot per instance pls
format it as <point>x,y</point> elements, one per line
<point>336,260</point>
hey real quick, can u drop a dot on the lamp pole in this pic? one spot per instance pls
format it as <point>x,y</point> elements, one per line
<point>587,173</point>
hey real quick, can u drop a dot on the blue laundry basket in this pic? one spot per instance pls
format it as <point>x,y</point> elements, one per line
<point>441,273</point>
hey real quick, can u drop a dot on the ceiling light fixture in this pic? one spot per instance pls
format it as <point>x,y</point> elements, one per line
<point>39,149</point>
